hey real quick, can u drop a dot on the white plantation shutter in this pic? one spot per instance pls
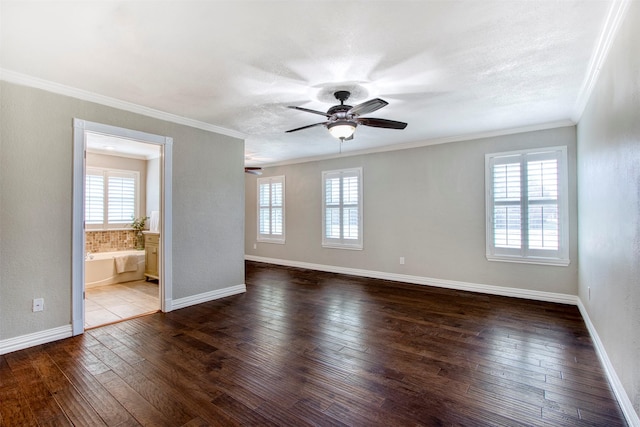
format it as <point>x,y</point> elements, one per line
<point>333,221</point>
<point>271,209</point>
<point>507,226</point>
<point>94,198</point>
<point>277,208</point>
<point>264,207</point>
<point>527,218</point>
<point>122,198</point>
<point>342,209</point>
<point>111,198</point>
<point>542,185</point>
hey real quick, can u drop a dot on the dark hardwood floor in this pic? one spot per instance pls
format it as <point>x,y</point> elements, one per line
<point>310,348</point>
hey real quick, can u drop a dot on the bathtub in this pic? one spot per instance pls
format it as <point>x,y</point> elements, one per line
<point>100,269</point>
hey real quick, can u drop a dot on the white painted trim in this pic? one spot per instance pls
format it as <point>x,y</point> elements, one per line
<point>341,242</point>
<point>525,254</point>
<point>43,337</point>
<point>166,226</point>
<point>615,17</point>
<point>80,128</point>
<point>78,229</point>
<point>427,281</point>
<point>425,143</point>
<point>621,394</point>
<point>25,80</point>
<point>208,296</point>
<point>36,338</point>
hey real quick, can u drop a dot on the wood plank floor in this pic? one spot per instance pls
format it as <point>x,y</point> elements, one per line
<point>310,348</point>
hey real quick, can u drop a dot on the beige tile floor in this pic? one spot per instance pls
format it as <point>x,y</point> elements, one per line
<point>112,303</point>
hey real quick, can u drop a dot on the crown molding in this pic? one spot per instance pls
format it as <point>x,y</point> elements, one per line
<point>30,81</point>
<point>615,17</point>
<point>425,143</point>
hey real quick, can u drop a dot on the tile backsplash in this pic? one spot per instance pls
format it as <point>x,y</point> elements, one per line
<point>110,240</point>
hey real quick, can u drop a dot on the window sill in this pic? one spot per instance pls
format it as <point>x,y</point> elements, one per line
<point>532,260</point>
<point>277,242</point>
<point>338,246</point>
<point>107,229</point>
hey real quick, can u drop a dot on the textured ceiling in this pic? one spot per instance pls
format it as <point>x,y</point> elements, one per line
<point>448,68</point>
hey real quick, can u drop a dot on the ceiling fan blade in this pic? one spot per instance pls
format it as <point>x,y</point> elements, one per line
<point>368,107</point>
<point>305,127</point>
<point>381,123</point>
<point>253,170</point>
<point>310,111</point>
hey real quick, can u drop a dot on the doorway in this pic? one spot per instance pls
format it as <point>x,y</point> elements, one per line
<point>104,240</point>
<point>122,212</point>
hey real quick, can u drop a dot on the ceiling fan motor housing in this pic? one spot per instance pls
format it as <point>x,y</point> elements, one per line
<point>339,109</point>
<point>341,95</point>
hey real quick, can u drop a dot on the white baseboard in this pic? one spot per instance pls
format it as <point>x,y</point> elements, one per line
<point>428,281</point>
<point>207,296</point>
<point>623,399</point>
<point>49,335</point>
<point>37,338</point>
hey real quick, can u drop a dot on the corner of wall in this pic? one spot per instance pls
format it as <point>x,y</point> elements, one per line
<point>618,389</point>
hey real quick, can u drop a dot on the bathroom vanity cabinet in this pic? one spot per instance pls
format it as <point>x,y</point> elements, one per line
<point>151,251</point>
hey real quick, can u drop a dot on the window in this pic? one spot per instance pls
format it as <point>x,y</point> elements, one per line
<point>527,218</point>
<point>271,209</point>
<point>111,198</point>
<point>342,209</point>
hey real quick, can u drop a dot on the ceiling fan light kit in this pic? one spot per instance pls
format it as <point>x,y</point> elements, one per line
<point>342,129</point>
<point>343,119</point>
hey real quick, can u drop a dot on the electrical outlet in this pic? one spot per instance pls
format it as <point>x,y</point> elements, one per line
<point>38,304</point>
<point>255,246</point>
<point>401,260</point>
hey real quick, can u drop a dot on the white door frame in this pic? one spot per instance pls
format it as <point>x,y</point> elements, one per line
<point>80,128</point>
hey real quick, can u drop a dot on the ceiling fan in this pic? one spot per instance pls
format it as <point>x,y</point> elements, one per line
<point>342,119</point>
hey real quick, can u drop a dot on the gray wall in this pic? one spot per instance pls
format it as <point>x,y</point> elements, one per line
<point>36,201</point>
<point>609,194</point>
<point>425,204</point>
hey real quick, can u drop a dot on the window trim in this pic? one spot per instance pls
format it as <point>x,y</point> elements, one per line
<point>343,243</point>
<point>106,172</point>
<point>527,255</point>
<point>271,238</point>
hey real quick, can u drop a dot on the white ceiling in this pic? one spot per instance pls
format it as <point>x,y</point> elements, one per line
<point>448,68</point>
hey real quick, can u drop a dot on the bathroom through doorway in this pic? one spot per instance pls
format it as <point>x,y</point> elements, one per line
<point>120,227</point>
<point>122,214</point>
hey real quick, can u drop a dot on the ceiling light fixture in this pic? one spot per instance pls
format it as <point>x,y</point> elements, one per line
<point>342,129</point>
